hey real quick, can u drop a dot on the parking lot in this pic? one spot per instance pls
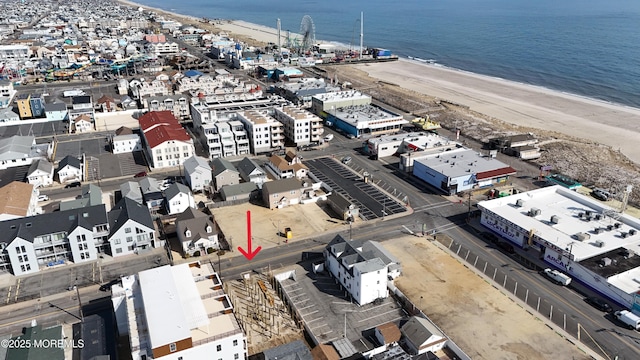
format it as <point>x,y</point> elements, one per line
<point>372,202</point>
<point>38,130</point>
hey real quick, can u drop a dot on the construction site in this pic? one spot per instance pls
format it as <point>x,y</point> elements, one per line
<point>261,313</point>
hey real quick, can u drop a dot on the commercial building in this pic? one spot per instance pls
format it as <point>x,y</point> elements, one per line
<point>590,241</point>
<point>388,145</point>
<point>361,267</point>
<point>325,104</point>
<point>460,169</point>
<point>365,120</point>
<point>178,312</point>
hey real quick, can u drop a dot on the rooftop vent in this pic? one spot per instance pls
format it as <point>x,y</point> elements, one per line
<point>632,232</point>
<point>628,253</point>
<point>582,236</point>
<point>555,219</point>
<point>519,203</point>
<point>623,234</point>
<point>598,230</point>
<point>599,243</point>
<point>534,212</point>
<point>605,262</point>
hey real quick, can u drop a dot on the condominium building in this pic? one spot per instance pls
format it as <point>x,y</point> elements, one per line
<point>240,137</point>
<point>300,126</point>
<point>264,132</point>
<point>178,312</point>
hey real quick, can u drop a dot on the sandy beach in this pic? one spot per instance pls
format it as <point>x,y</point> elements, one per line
<point>610,124</point>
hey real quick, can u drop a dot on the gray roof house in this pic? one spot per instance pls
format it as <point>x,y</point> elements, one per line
<point>70,169</point>
<point>197,173</point>
<point>40,173</point>
<point>224,173</point>
<point>131,190</point>
<point>281,193</point>
<point>91,196</point>
<point>196,231</point>
<point>422,336</point>
<point>179,198</point>
<point>250,171</point>
<point>18,151</point>
<point>242,191</point>
<point>295,350</point>
<point>152,194</point>
<point>130,228</point>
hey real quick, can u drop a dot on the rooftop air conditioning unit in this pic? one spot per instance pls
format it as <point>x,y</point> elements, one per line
<point>599,243</point>
<point>632,232</point>
<point>623,234</point>
<point>555,219</point>
<point>605,262</point>
<point>582,236</point>
<point>534,212</point>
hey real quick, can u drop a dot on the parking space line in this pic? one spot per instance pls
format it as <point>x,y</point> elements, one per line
<point>377,315</point>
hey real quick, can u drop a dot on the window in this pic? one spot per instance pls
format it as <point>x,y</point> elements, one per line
<point>116,242</point>
<point>118,251</point>
<point>219,348</point>
<point>129,238</point>
<point>235,342</point>
<point>236,356</point>
<point>173,347</point>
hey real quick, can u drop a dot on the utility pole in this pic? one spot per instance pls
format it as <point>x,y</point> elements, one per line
<point>469,211</point>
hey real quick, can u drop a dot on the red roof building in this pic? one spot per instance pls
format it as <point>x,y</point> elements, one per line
<point>161,130</point>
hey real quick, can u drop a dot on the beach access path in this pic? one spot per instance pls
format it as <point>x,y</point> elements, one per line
<point>520,104</point>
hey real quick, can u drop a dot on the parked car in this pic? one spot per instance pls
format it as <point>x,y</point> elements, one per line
<point>351,136</point>
<point>346,160</point>
<point>508,248</point>
<point>107,286</point>
<point>601,194</point>
<point>329,137</point>
<point>140,174</point>
<point>73,185</point>
<point>43,197</point>
<point>556,276</point>
<point>598,303</point>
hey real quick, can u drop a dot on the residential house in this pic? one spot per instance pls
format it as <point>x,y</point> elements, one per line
<point>70,168</point>
<point>40,173</point>
<point>422,336</point>
<point>387,334</point>
<point>196,231</point>
<point>123,87</point>
<point>281,193</point>
<point>224,173</point>
<point>131,190</point>
<point>178,198</point>
<point>81,124</point>
<point>185,299</point>
<point>91,196</point>
<point>20,151</point>
<point>127,103</point>
<point>197,173</point>
<point>345,209</point>
<point>243,191</point>
<point>287,167</point>
<point>178,104</point>
<point>82,105</point>
<point>55,238</point>
<point>250,171</point>
<point>122,144</point>
<point>295,350</point>
<point>7,92</point>
<point>37,104</point>
<point>152,194</point>
<point>106,104</point>
<point>56,111</point>
<point>24,106</point>
<point>167,143</point>
<point>141,89</point>
<point>17,200</point>
<point>8,116</point>
<point>361,267</point>
<point>130,228</point>
<point>324,352</point>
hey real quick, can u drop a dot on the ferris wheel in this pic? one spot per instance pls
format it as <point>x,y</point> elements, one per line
<point>308,33</point>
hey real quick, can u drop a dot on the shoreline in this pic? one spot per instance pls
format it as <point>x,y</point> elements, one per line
<point>604,122</point>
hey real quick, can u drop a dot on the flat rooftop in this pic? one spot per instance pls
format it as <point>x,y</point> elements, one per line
<point>459,162</point>
<point>342,95</point>
<point>328,312</point>
<point>368,116</point>
<point>421,139</point>
<point>594,224</point>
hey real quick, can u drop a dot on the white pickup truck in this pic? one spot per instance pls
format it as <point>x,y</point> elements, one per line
<point>628,318</point>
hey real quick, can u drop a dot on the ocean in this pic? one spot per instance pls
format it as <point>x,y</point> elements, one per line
<point>584,47</point>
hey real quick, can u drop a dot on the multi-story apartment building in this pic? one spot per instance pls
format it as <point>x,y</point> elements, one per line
<point>264,132</point>
<point>131,228</point>
<point>361,267</point>
<point>14,52</point>
<point>240,137</point>
<point>226,139</point>
<point>164,48</point>
<point>166,141</point>
<point>210,138</point>
<point>300,126</point>
<point>36,242</point>
<point>140,89</point>
<point>178,104</point>
<point>178,312</point>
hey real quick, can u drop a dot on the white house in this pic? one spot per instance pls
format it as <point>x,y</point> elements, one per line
<point>287,167</point>
<point>166,141</point>
<point>40,173</point>
<point>422,336</point>
<point>361,267</point>
<point>20,151</point>
<point>179,313</point>
<point>197,173</point>
<point>70,168</point>
<point>178,198</point>
<point>126,143</point>
<point>130,228</point>
<point>196,232</point>
<point>82,124</point>
<point>56,111</point>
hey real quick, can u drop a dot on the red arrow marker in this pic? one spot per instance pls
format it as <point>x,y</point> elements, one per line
<point>249,254</point>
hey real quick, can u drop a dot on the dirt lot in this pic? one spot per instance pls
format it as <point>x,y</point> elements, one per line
<point>485,323</point>
<point>304,221</point>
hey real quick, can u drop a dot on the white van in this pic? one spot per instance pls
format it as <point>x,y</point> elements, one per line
<point>628,318</point>
<point>557,277</point>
